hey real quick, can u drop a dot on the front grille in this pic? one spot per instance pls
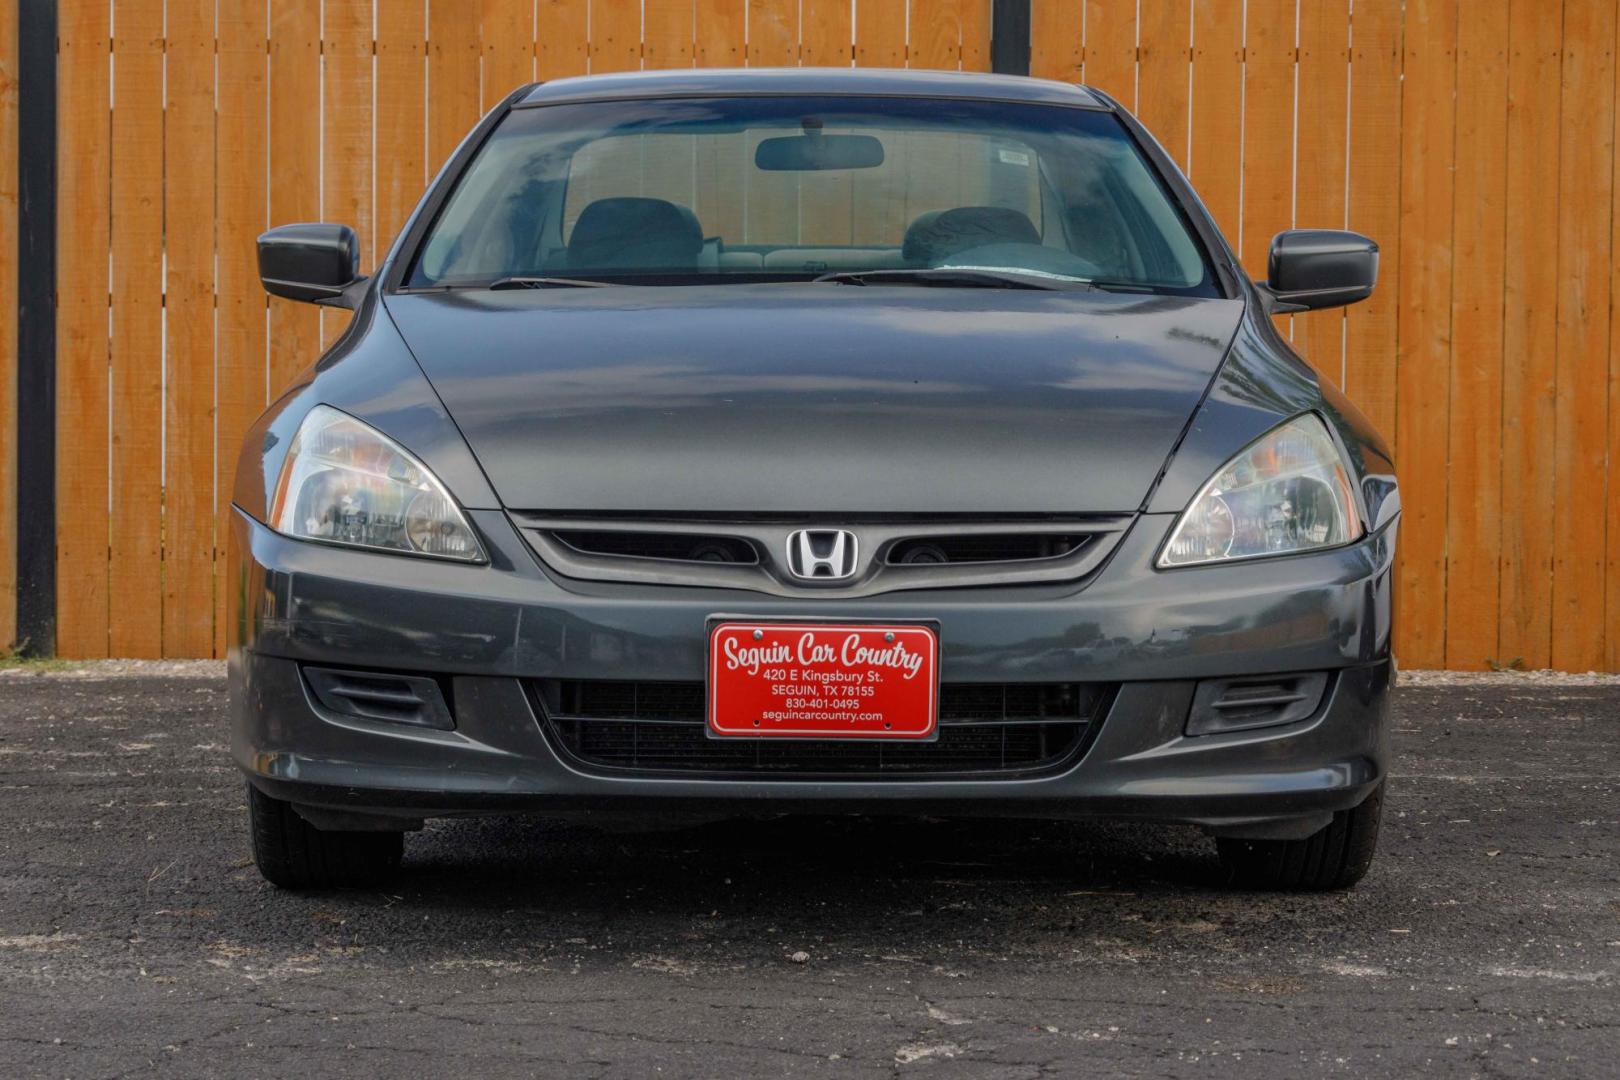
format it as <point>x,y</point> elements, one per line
<point>986,730</point>
<point>895,552</point>
<point>612,699</point>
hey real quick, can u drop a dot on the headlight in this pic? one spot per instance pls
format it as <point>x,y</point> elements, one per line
<point>346,483</point>
<point>1287,492</point>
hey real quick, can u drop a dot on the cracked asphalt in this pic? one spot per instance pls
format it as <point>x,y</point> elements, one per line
<point>136,939</point>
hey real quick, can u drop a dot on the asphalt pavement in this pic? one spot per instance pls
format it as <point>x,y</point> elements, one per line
<point>136,938</point>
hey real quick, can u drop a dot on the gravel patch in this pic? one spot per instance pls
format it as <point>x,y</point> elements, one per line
<point>109,669</point>
<point>136,938</point>
<point>1508,679</point>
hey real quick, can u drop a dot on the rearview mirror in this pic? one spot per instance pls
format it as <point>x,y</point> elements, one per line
<point>314,262</point>
<point>814,152</point>
<point>1320,268</point>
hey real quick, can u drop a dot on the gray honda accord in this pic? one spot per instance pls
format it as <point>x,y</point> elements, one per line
<point>759,442</point>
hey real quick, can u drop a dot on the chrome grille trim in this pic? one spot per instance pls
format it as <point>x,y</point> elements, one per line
<point>1095,537</point>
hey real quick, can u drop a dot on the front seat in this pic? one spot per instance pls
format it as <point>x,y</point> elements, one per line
<point>629,233</point>
<point>939,234</point>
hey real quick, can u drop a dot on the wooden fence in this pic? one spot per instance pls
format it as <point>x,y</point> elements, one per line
<point>1474,139</point>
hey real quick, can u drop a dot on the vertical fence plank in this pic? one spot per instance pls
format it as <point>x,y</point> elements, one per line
<point>1110,44</point>
<point>880,42</point>
<point>1268,129</point>
<point>240,369</point>
<point>1375,184</point>
<point>1423,406</point>
<point>936,34</point>
<point>347,123</point>
<point>669,162</point>
<point>1473,517</point>
<point>668,36</point>
<point>84,95</point>
<point>1584,267</point>
<point>721,173</point>
<point>1611,620</point>
<point>295,169</point>
<point>506,31</point>
<point>8,322</point>
<point>827,36</point>
<point>953,35</point>
<point>188,436</point>
<point>1530,332</point>
<point>1320,159</point>
<point>880,34</point>
<point>1163,80</point>
<point>615,36</point>
<point>770,213</point>
<point>726,175</point>
<point>722,26</point>
<point>975,16</point>
<point>773,33</point>
<point>1056,39</point>
<point>135,573</point>
<point>346,134</point>
<point>1214,157</point>
<point>401,172</point>
<point>562,41</point>
<point>827,201</point>
<point>453,77</point>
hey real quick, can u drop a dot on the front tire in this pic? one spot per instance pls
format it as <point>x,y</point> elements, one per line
<point>293,854</point>
<point>1335,858</point>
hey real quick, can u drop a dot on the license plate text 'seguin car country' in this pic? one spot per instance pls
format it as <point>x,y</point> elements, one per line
<point>823,680</point>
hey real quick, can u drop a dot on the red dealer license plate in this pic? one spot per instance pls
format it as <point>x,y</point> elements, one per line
<point>823,680</point>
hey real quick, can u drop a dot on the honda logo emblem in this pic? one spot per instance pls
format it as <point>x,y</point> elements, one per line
<point>822,554</point>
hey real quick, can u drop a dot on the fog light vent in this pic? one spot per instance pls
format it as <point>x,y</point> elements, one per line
<point>374,695</point>
<point>1254,701</point>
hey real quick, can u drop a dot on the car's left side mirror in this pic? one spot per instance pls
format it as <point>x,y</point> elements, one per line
<point>315,262</point>
<point>1319,268</point>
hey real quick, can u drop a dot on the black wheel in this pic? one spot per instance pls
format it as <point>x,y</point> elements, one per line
<point>294,854</point>
<point>1335,858</point>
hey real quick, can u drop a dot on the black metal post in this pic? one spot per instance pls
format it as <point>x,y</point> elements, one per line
<point>36,327</point>
<point>1009,37</point>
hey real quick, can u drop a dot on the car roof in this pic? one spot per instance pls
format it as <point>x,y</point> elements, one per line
<point>878,82</point>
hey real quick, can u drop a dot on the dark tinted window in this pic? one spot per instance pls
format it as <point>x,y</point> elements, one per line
<point>727,189</point>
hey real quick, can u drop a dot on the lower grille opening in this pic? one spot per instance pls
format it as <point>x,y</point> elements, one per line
<point>971,548</point>
<point>986,730</point>
<point>679,547</point>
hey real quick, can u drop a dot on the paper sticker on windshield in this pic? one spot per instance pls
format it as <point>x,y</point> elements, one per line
<point>1013,157</point>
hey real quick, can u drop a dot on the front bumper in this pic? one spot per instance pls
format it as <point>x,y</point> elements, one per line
<point>487,628</point>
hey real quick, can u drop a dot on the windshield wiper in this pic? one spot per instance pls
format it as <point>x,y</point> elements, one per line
<point>1129,287</point>
<point>949,277</point>
<point>547,283</point>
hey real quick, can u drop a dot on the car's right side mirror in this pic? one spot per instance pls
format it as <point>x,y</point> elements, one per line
<point>1319,268</point>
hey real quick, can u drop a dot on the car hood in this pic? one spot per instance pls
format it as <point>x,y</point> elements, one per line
<point>818,398</point>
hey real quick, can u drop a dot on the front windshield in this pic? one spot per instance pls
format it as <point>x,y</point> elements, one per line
<point>732,189</point>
